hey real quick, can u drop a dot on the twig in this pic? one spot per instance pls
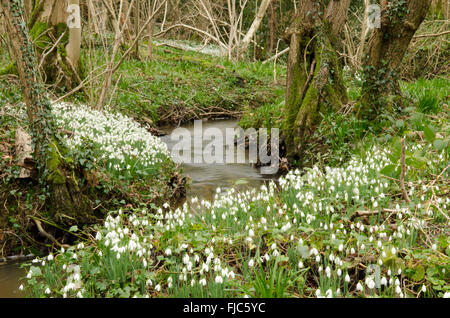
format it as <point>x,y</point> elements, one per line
<point>430,35</point>
<point>368,213</point>
<point>276,56</point>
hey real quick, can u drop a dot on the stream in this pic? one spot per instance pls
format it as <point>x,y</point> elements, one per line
<point>204,180</point>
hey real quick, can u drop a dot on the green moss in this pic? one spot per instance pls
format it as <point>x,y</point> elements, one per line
<point>35,14</point>
<point>53,165</point>
<point>9,69</point>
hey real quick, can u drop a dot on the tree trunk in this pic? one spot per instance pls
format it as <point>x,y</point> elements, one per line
<point>58,43</point>
<point>314,76</point>
<point>273,25</point>
<point>385,51</point>
<point>255,25</point>
<point>65,198</point>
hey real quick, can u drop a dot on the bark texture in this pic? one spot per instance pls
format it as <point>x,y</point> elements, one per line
<point>58,44</point>
<point>314,79</point>
<point>66,202</point>
<point>385,51</point>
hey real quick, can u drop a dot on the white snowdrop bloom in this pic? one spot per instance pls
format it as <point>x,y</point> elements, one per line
<point>393,250</point>
<point>328,271</point>
<point>341,247</point>
<point>50,257</point>
<point>251,262</point>
<point>158,287</point>
<point>219,280</point>
<point>202,282</point>
<point>318,293</point>
<point>399,272</point>
<point>389,272</point>
<point>383,281</point>
<point>21,287</point>
<point>300,264</point>
<point>370,284</point>
<point>317,259</point>
<point>339,272</point>
<point>397,282</point>
<point>347,278</point>
<point>329,293</point>
<point>424,289</point>
<point>168,252</point>
<point>434,247</point>
<point>273,246</point>
<point>398,290</point>
<point>446,295</point>
<point>359,287</point>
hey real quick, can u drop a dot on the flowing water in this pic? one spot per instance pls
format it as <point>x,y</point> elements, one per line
<point>204,180</point>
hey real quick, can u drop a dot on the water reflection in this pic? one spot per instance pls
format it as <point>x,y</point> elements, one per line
<point>9,280</point>
<point>206,178</point>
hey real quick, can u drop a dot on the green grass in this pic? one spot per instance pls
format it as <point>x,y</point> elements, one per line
<point>184,85</point>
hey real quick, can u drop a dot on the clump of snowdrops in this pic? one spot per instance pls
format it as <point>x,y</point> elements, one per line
<point>331,232</point>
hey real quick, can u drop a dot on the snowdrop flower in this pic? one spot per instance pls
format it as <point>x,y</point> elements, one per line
<point>219,280</point>
<point>347,278</point>
<point>383,281</point>
<point>446,295</point>
<point>359,287</point>
<point>251,262</point>
<point>370,284</point>
<point>168,251</point>
<point>158,287</point>
<point>21,287</point>
<point>424,289</point>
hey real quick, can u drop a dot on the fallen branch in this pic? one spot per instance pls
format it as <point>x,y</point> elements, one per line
<point>47,235</point>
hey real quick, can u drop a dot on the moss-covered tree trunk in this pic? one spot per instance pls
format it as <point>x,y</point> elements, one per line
<point>314,77</point>
<point>66,202</point>
<point>385,51</point>
<point>55,27</point>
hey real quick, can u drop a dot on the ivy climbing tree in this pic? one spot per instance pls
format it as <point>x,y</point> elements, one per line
<point>56,171</point>
<point>386,48</point>
<point>314,74</point>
